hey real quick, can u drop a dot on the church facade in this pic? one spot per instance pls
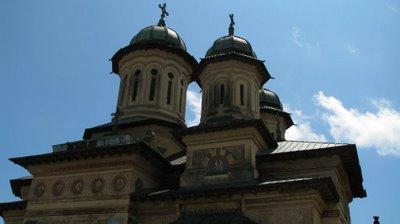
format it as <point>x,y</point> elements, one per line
<point>146,166</point>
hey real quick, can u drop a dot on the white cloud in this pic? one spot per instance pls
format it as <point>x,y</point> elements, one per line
<point>297,39</point>
<point>352,50</point>
<point>193,101</point>
<point>379,129</point>
<point>303,129</point>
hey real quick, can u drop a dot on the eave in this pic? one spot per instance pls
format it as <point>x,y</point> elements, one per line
<point>232,56</point>
<point>141,148</point>
<point>129,124</point>
<point>170,49</point>
<point>221,126</point>
<point>324,185</point>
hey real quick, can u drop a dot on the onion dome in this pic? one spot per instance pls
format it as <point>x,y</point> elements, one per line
<point>231,43</point>
<point>158,34</point>
<point>269,99</point>
<point>155,37</point>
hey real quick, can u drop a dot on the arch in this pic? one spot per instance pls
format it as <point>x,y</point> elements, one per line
<point>153,73</point>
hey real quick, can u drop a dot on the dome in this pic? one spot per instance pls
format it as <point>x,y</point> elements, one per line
<point>231,43</point>
<point>158,34</point>
<point>269,99</point>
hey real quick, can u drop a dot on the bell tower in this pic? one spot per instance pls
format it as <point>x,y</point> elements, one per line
<point>155,70</point>
<point>230,76</point>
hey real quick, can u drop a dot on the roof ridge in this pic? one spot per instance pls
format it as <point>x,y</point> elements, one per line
<point>343,143</point>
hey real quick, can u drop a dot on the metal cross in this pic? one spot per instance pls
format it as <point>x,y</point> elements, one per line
<point>164,13</point>
<point>231,28</point>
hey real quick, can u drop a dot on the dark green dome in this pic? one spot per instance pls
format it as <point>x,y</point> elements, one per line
<point>158,35</point>
<point>231,43</point>
<point>269,99</point>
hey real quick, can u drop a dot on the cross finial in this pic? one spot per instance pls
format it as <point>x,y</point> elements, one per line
<point>231,28</point>
<point>164,13</point>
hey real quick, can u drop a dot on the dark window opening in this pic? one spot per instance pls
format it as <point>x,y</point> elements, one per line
<point>154,72</point>
<point>152,88</point>
<point>241,95</point>
<point>181,97</point>
<point>136,85</point>
<point>221,94</point>
<point>169,92</point>
<point>169,88</point>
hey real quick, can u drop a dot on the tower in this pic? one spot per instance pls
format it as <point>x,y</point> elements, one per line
<point>155,70</point>
<point>230,76</point>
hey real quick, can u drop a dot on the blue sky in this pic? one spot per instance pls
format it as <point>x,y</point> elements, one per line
<point>335,63</point>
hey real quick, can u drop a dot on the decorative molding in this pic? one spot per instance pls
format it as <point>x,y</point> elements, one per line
<point>58,188</point>
<point>39,189</point>
<point>77,186</point>
<point>97,185</point>
<point>119,183</point>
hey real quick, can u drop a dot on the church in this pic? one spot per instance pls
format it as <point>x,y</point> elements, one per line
<point>147,167</point>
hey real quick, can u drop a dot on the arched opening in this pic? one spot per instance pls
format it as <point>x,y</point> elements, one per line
<point>169,88</point>
<point>181,96</point>
<point>242,95</point>
<point>221,94</point>
<point>136,84</point>
<point>153,83</point>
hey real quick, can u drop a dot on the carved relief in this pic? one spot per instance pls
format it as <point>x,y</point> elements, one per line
<point>39,190</point>
<point>217,165</point>
<point>77,186</point>
<point>119,183</point>
<point>97,185</point>
<point>221,157</point>
<point>58,188</point>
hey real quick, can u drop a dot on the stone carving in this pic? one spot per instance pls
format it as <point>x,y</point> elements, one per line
<point>39,190</point>
<point>97,185</point>
<point>228,155</point>
<point>119,183</point>
<point>58,188</point>
<point>77,186</point>
<point>217,165</point>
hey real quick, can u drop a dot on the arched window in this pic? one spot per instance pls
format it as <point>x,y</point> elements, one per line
<point>181,97</point>
<point>136,84</point>
<point>153,84</point>
<point>241,94</point>
<point>221,94</point>
<point>169,88</point>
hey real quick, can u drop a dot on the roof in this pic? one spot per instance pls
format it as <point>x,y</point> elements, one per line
<point>272,110</point>
<point>17,184</point>
<point>130,122</point>
<point>233,124</point>
<point>231,43</point>
<point>231,55</point>
<point>213,217</point>
<point>160,35</point>
<point>270,99</point>
<point>141,148</point>
<point>324,185</point>
<point>148,46</point>
<point>15,205</point>
<point>292,150</point>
